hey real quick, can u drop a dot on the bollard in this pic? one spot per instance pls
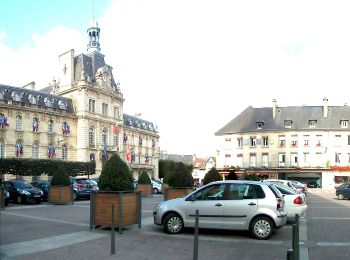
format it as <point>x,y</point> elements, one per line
<point>112,233</point>
<point>92,210</point>
<point>120,213</point>
<point>2,196</point>
<point>296,251</point>
<point>139,207</point>
<point>290,254</point>
<point>195,244</point>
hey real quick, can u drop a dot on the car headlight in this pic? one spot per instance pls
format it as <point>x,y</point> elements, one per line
<point>156,208</point>
<point>25,192</point>
<point>41,192</point>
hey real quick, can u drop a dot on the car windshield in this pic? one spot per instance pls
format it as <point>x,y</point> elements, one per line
<point>83,181</point>
<point>22,184</point>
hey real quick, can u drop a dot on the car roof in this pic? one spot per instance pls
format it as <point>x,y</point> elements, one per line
<point>239,181</point>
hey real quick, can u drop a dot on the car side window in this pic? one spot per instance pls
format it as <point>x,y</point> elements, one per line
<point>259,192</point>
<point>214,192</point>
<point>237,191</point>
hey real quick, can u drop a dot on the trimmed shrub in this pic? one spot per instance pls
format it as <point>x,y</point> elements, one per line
<point>180,176</point>
<point>60,177</point>
<point>144,178</point>
<point>116,176</point>
<point>212,175</point>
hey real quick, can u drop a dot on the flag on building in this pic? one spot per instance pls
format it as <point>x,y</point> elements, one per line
<point>115,129</point>
<point>127,154</point>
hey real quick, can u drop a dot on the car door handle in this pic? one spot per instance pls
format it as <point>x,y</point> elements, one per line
<point>252,204</point>
<point>218,204</point>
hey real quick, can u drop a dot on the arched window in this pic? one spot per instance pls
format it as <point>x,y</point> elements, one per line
<point>65,128</point>
<point>64,152</point>
<point>50,126</point>
<point>19,149</point>
<point>92,157</point>
<point>3,121</point>
<point>2,149</point>
<point>35,124</point>
<point>16,96</point>
<point>116,140</point>
<point>104,137</point>
<point>18,122</point>
<point>48,102</point>
<point>91,137</point>
<point>35,149</point>
<point>32,99</point>
<point>51,152</point>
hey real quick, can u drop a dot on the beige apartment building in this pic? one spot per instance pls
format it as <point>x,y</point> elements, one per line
<point>305,143</point>
<point>79,117</point>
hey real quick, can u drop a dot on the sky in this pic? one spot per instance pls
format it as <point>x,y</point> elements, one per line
<point>189,66</point>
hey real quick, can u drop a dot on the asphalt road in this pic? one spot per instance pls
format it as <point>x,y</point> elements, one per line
<point>63,232</point>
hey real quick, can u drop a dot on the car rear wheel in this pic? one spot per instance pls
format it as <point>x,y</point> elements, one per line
<point>75,195</point>
<point>173,224</point>
<point>262,228</point>
<point>340,196</point>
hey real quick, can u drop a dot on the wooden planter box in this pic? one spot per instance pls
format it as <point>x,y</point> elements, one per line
<point>145,189</point>
<point>173,193</point>
<point>127,209</point>
<point>60,194</point>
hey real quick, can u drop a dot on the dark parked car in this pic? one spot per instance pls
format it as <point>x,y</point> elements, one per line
<point>312,184</point>
<point>343,191</point>
<point>43,185</point>
<point>82,187</point>
<point>22,191</point>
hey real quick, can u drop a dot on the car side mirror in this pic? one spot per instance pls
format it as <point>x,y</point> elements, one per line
<point>191,198</point>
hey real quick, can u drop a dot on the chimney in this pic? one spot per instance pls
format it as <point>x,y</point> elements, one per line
<point>31,85</point>
<point>325,107</point>
<point>274,106</point>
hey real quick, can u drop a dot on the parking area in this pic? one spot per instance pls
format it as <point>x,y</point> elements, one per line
<point>63,232</point>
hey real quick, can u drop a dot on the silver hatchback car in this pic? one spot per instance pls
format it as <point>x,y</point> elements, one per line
<point>238,205</point>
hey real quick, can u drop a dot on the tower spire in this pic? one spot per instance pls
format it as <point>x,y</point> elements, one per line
<point>93,33</point>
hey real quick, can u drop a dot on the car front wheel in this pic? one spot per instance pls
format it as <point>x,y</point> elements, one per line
<point>262,228</point>
<point>340,196</point>
<point>19,199</point>
<point>173,224</point>
<point>155,191</point>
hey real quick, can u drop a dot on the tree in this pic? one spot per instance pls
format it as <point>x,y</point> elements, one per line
<point>60,177</point>
<point>116,176</point>
<point>165,167</point>
<point>212,175</point>
<point>144,178</point>
<point>180,176</point>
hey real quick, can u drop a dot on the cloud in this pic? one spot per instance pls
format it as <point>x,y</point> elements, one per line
<point>37,61</point>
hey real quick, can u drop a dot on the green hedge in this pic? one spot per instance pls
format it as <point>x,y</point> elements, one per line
<point>36,167</point>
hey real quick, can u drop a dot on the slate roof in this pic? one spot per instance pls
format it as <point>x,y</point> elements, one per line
<point>139,123</point>
<point>89,63</point>
<point>27,96</point>
<point>299,115</point>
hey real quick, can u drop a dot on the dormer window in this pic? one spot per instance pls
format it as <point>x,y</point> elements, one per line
<point>344,123</point>
<point>259,125</point>
<point>288,123</point>
<point>312,123</point>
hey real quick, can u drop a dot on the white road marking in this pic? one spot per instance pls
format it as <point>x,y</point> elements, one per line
<point>39,245</point>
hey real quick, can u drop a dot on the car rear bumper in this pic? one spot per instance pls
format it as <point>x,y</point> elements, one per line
<point>300,210</point>
<point>281,220</point>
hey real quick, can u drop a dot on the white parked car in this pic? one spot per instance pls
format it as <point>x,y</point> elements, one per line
<point>284,182</point>
<point>295,203</point>
<point>237,205</point>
